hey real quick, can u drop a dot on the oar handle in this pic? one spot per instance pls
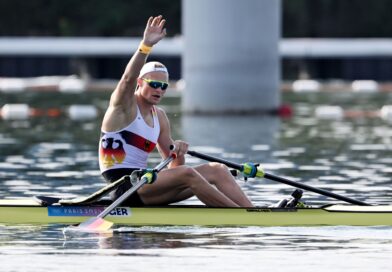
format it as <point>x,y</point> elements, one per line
<point>240,167</point>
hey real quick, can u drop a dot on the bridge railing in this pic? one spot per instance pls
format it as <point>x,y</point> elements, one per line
<point>98,46</point>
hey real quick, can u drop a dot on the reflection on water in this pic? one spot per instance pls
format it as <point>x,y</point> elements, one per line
<point>350,156</point>
<point>15,238</point>
<point>164,248</point>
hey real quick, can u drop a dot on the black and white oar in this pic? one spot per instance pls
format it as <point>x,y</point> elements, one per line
<point>254,170</point>
<point>96,195</point>
<point>98,223</point>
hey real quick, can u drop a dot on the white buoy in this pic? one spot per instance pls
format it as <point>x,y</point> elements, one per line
<point>306,85</point>
<point>15,112</point>
<point>329,112</point>
<point>366,86</point>
<point>12,85</point>
<point>72,85</point>
<point>386,112</point>
<point>82,112</point>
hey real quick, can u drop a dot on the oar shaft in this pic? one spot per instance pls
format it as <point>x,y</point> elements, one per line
<point>314,189</point>
<point>122,198</point>
<point>214,159</point>
<point>279,179</point>
<point>95,196</point>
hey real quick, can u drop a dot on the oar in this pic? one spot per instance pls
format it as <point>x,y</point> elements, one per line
<point>96,195</point>
<point>98,223</point>
<point>253,170</point>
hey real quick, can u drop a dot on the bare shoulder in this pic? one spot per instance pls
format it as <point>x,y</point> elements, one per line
<point>122,96</point>
<point>161,112</point>
<point>118,117</point>
<point>163,119</point>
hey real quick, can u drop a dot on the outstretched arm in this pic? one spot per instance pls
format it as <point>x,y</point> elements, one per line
<point>124,93</point>
<point>122,103</point>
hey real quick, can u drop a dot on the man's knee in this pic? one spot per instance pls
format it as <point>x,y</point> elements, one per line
<point>187,172</point>
<point>217,165</point>
<point>218,168</point>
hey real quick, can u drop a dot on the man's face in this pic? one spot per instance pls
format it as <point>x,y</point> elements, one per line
<point>151,85</point>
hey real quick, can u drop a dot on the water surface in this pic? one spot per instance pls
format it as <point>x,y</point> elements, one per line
<point>56,156</point>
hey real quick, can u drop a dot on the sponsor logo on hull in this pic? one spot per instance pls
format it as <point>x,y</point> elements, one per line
<point>87,211</point>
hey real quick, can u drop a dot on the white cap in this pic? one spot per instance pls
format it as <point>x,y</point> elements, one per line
<point>152,66</point>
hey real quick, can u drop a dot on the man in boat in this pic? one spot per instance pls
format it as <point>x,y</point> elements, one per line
<point>133,125</point>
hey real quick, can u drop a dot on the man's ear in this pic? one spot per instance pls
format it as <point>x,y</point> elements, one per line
<point>139,82</point>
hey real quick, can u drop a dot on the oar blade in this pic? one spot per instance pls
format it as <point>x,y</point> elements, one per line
<point>95,224</point>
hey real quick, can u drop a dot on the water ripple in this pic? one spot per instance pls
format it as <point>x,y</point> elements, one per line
<point>348,156</point>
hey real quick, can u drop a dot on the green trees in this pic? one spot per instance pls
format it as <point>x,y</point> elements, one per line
<point>84,18</point>
<point>336,18</point>
<point>301,18</point>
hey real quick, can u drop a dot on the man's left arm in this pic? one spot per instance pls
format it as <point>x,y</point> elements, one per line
<point>165,140</point>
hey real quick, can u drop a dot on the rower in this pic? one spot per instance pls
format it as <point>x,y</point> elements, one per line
<point>134,125</point>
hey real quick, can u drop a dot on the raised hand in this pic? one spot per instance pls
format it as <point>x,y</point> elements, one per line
<point>154,31</point>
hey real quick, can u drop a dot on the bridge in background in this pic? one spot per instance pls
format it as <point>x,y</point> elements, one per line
<point>173,47</point>
<point>106,57</point>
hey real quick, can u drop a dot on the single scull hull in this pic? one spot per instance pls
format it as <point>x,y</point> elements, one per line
<point>28,211</point>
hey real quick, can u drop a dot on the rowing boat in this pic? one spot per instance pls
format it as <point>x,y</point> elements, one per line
<point>30,211</point>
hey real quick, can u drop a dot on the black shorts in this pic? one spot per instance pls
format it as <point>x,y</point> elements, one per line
<point>112,175</point>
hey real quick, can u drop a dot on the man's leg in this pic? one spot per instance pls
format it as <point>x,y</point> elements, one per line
<point>179,183</point>
<point>219,175</point>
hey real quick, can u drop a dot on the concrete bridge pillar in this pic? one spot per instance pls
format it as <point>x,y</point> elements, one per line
<point>231,59</point>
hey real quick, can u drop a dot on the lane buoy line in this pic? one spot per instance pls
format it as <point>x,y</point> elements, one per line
<point>330,112</point>
<point>90,112</point>
<point>24,112</point>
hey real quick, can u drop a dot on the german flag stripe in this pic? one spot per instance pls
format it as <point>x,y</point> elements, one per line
<point>137,141</point>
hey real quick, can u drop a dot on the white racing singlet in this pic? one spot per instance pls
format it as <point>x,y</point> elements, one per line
<point>129,147</point>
